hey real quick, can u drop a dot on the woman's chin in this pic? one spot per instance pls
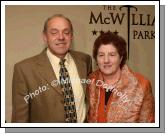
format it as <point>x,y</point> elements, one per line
<point>107,73</point>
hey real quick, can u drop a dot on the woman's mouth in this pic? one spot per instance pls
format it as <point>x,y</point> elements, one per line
<point>107,66</point>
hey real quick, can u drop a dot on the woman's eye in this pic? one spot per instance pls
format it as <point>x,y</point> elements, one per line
<point>112,54</point>
<point>100,55</point>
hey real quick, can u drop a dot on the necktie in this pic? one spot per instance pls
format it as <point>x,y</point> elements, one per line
<point>69,101</point>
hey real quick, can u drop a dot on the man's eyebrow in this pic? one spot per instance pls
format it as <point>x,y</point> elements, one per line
<point>54,29</point>
<point>67,29</point>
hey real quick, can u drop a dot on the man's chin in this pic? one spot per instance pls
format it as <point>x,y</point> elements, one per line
<point>58,54</point>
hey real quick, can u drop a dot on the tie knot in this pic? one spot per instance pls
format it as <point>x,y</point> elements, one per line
<point>62,61</point>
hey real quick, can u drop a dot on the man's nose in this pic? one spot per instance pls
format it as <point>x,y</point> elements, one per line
<point>60,36</point>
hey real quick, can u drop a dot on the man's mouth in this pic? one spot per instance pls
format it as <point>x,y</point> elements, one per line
<point>61,43</point>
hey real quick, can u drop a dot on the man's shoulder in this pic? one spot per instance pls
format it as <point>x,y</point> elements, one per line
<point>30,61</point>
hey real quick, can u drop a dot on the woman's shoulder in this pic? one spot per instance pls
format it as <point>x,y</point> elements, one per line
<point>94,75</point>
<point>141,77</point>
<point>145,83</point>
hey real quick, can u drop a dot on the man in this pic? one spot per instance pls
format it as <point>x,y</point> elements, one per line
<point>36,94</point>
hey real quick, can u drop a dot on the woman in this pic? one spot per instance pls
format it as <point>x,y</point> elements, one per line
<point>116,94</point>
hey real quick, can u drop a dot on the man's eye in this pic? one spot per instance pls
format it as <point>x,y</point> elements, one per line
<point>53,33</point>
<point>67,32</point>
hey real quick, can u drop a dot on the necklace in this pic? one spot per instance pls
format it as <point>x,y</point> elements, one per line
<point>111,86</point>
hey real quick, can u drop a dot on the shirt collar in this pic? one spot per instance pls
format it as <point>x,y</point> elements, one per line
<point>56,60</point>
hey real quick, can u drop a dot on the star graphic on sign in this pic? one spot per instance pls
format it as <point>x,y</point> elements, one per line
<point>101,32</point>
<point>94,32</point>
<point>116,32</point>
<point>108,30</point>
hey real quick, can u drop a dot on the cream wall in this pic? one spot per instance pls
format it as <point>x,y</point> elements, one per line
<point>23,37</point>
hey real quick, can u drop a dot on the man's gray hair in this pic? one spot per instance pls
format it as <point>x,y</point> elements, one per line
<point>57,15</point>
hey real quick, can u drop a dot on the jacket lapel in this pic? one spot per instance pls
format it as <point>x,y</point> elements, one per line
<point>81,68</point>
<point>45,69</point>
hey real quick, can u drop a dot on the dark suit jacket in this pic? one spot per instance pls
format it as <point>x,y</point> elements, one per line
<point>34,75</point>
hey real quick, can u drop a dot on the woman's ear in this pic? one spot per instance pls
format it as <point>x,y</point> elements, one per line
<point>121,59</point>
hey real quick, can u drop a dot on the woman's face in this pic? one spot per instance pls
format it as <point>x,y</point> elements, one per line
<point>108,59</point>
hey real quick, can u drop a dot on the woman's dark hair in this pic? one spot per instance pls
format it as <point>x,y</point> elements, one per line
<point>118,42</point>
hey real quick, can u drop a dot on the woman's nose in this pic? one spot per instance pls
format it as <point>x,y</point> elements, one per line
<point>106,59</point>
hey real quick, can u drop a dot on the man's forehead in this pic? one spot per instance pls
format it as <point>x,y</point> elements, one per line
<point>58,22</point>
<point>57,19</point>
<point>57,29</point>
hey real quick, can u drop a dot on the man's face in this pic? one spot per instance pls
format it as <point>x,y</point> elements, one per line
<point>58,36</point>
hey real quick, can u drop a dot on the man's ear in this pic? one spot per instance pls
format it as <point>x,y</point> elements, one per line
<point>44,37</point>
<point>72,36</point>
